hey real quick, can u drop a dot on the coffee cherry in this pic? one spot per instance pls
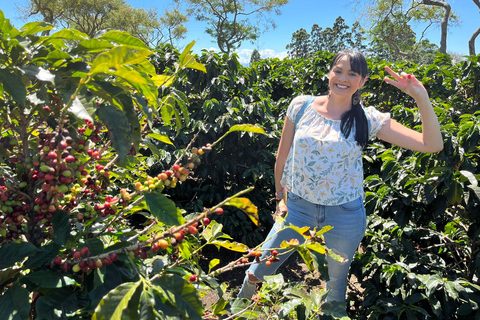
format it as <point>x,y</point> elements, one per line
<point>193,278</point>
<point>76,268</point>
<point>65,266</point>
<point>218,211</point>
<point>192,230</point>
<point>84,251</point>
<point>57,260</point>
<point>98,263</point>
<point>107,261</point>
<point>77,255</point>
<point>163,244</point>
<point>206,221</point>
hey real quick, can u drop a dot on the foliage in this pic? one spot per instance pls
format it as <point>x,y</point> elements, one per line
<point>390,22</point>
<point>255,57</point>
<point>76,114</point>
<point>146,151</point>
<point>229,23</point>
<point>91,17</point>
<point>333,39</point>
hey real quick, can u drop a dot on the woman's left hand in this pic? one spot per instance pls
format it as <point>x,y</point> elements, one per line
<point>407,83</point>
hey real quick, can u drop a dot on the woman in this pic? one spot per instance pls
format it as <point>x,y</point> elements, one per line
<point>319,163</point>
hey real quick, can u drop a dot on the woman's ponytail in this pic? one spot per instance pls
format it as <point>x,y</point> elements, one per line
<point>355,117</point>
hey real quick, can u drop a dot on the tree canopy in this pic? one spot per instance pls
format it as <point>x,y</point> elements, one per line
<point>390,21</point>
<point>92,16</point>
<point>339,37</point>
<point>232,22</point>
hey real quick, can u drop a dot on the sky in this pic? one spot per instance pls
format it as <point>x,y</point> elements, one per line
<point>295,15</point>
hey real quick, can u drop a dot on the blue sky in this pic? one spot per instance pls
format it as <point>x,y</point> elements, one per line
<point>301,14</point>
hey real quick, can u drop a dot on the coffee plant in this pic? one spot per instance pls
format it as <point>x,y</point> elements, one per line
<point>82,126</point>
<point>119,164</point>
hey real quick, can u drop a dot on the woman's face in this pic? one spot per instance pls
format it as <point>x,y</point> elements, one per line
<point>343,81</point>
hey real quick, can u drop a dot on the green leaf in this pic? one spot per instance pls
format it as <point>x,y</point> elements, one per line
<point>123,38</point>
<point>213,231</point>
<point>15,303</point>
<point>147,305</point>
<point>61,227</point>
<point>8,274</point>
<point>69,34</point>
<point>181,294</point>
<point>50,279</point>
<point>112,306</point>
<point>119,129</point>
<point>80,110</point>
<point>46,253</point>
<point>112,61</point>
<point>33,28</point>
<point>59,303</point>
<point>233,246</point>
<point>246,206</point>
<point>15,252</point>
<point>38,72</point>
<point>246,128</point>
<point>13,85</point>
<point>317,247</point>
<point>306,257</point>
<point>160,137</point>
<point>95,246</point>
<point>212,264</point>
<point>163,209</point>
<point>454,193</point>
<point>95,45</point>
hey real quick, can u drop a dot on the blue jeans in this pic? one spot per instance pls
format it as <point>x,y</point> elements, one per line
<point>349,224</point>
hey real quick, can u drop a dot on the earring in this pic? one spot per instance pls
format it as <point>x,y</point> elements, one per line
<point>356,98</point>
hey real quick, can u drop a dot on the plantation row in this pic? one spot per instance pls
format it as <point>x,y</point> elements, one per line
<point>120,164</point>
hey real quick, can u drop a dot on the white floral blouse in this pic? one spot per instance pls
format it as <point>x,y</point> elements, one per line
<point>322,166</point>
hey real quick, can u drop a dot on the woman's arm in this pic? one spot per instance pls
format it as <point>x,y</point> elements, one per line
<point>283,148</point>
<point>430,139</point>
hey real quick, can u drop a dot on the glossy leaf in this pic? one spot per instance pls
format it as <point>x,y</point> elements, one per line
<point>15,303</point>
<point>246,206</point>
<point>13,85</point>
<point>163,209</point>
<point>115,303</point>
<point>180,294</point>
<point>232,246</point>
<point>15,252</point>
<point>59,303</point>
<point>119,129</point>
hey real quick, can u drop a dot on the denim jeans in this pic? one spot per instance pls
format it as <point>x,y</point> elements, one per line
<point>349,223</point>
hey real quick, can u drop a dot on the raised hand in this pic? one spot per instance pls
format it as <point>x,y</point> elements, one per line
<point>407,83</point>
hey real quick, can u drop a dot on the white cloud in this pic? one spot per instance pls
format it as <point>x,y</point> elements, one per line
<point>245,54</point>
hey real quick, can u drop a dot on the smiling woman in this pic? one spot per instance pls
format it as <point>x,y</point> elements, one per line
<point>319,164</point>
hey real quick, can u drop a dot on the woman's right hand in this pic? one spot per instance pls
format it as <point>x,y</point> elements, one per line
<point>280,210</point>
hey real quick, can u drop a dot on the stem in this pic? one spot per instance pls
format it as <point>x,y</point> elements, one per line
<point>187,148</point>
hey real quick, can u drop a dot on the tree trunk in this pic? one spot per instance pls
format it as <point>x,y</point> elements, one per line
<point>471,42</point>
<point>444,23</point>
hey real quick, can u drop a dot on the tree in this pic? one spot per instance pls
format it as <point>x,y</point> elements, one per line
<point>255,57</point>
<point>300,45</point>
<point>471,42</point>
<point>398,15</point>
<point>92,16</point>
<point>229,22</point>
<point>334,39</point>
<point>338,37</point>
<point>386,42</point>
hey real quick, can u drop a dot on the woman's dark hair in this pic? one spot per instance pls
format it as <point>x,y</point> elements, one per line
<point>356,115</point>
